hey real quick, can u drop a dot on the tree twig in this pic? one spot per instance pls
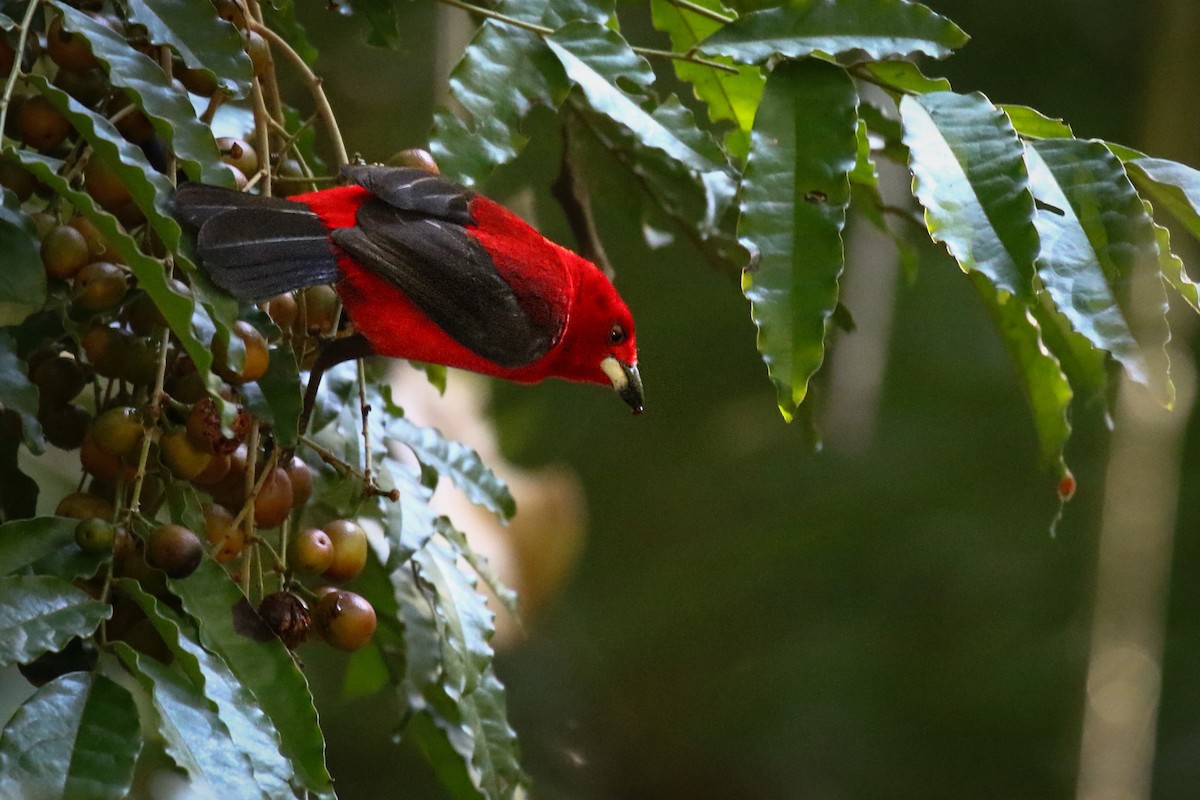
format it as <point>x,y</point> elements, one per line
<point>699,10</point>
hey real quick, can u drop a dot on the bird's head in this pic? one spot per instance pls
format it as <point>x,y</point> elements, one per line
<point>599,344</point>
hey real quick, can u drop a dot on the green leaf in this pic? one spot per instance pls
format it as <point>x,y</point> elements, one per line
<point>18,394</point>
<point>252,732</point>
<point>23,279</point>
<point>679,165</point>
<point>183,314</point>
<point>1172,265</point>
<point>193,735</point>
<point>280,16</point>
<point>381,18</point>
<point>1169,185</point>
<point>150,190</point>
<point>969,174</point>
<point>18,492</point>
<point>874,29</point>
<point>864,172</point>
<point>479,564</point>
<point>202,39</point>
<point>1095,235</point>
<point>1126,154</point>
<point>41,613</point>
<point>902,77</point>
<point>793,207</point>
<point>1046,387</point>
<point>277,398</point>
<point>729,97</point>
<point>24,542</point>
<point>462,464</point>
<point>1033,124</point>
<point>607,53</point>
<point>501,77</point>
<point>76,738</point>
<point>232,630</point>
<point>167,108</point>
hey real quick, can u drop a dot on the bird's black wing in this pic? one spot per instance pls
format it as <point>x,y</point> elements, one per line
<point>447,273</point>
<point>255,247</point>
<point>415,190</point>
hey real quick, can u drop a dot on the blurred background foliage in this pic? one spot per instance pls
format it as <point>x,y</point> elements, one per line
<point>888,616</point>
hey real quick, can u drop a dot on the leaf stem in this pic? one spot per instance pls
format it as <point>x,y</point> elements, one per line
<point>707,13</point>
<point>689,57</point>
<point>150,423</point>
<point>26,23</point>
<point>314,84</point>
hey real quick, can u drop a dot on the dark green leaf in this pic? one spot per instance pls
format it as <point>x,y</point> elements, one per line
<point>76,738</point>
<point>607,53</point>
<point>729,97</point>
<point>277,398</point>
<point>18,492</point>
<point>23,279</point>
<point>252,732</point>
<point>381,17</point>
<point>1033,124</point>
<point>193,735</point>
<point>560,12</point>
<point>1046,387</point>
<point>969,174</point>
<point>232,630</point>
<point>793,202</point>
<point>457,461</point>
<point>183,314</point>
<point>41,613</point>
<point>903,77</point>
<point>1095,236</point>
<point>150,190</point>
<point>876,29</point>
<point>1171,186</point>
<point>19,395</point>
<point>202,39</point>
<point>167,108</point>
<point>864,173</point>
<point>280,16</point>
<point>24,542</point>
<point>501,77</point>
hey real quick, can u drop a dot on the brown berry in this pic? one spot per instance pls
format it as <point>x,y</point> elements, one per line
<point>119,431</point>
<point>349,549</point>
<point>311,551</point>
<point>175,550</point>
<point>66,425</point>
<point>274,501</point>
<point>41,125</point>
<point>180,455</point>
<point>59,380</point>
<point>238,153</point>
<point>98,286</point>
<point>302,481</point>
<point>345,619</point>
<point>227,541</point>
<point>84,505</point>
<point>69,50</point>
<point>64,252</point>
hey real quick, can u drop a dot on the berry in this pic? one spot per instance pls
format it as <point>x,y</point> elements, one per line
<point>273,503</point>
<point>175,550</point>
<point>349,549</point>
<point>64,252</point>
<point>95,535</point>
<point>345,620</point>
<point>287,616</point>
<point>311,551</point>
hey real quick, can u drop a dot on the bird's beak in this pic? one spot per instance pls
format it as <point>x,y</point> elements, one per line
<point>626,380</point>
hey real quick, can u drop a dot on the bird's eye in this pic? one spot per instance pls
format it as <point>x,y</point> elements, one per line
<point>616,335</point>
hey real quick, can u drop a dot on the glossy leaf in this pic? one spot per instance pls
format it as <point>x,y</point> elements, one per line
<point>24,542</point>
<point>1033,124</point>
<point>1172,265</point>
<point>76,738</point>
<point>793,207</point>
<point>193,735</point>
<point>277,398</point>
<point>969,175</point>
<point>458,462</point>
<point>479,565</point>
<point>729,97</point>
<point>1095,236</point>
<point>167,108</point>
<point>251,731</point>
<point>876,29</point>
<point>150,190</point>
<point>19,395</point>
<point>1171,186</point>
<point>501,77</point>
<point>1046,387</point>
<point>23,279</point>
<point>903,77</point>
<point>232,630</point>
<point>183,314</point>
<point>202,39</point>
<point>41,613</point>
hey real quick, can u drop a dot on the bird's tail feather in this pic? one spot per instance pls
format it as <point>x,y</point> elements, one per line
<point>255,247</point>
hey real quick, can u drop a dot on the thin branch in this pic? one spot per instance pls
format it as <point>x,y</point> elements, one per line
<point>707,13</point>
<point>26,24</point>
<point>689,57</point>
<point>262,139</point>
<point>139,479</point>
<point>371,489</point>
<point>313,82</point>
<point>365,411</point>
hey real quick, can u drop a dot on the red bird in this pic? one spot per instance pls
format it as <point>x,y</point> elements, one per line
<point>427,270</point>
